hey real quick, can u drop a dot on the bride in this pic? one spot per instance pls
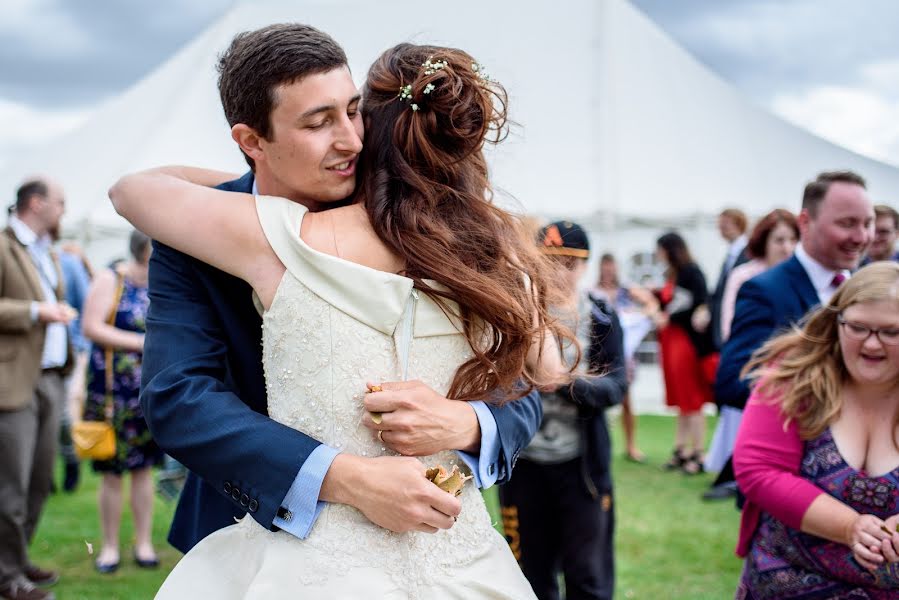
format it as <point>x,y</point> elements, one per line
<point>420,277</point>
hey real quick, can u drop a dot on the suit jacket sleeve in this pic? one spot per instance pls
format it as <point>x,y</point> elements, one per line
<point>516,424</point>
<point>15,313</point>
<point>754,322</point>
<point>193,411</point>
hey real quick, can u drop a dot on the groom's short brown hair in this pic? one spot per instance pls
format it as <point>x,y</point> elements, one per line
<point>259,61</point>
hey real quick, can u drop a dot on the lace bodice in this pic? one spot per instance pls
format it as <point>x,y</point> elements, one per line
<point>332,326</point>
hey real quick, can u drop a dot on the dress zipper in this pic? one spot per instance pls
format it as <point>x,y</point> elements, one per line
<point>408,332</point>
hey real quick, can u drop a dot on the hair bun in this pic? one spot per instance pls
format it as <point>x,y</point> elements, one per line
<point>448,106</point>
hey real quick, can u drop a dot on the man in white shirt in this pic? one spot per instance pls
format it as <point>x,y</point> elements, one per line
<point>34,358</point>
<point>732,224</point>
<point>836,225</point>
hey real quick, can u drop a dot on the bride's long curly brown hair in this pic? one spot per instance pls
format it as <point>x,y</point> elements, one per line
<point>425,186</point>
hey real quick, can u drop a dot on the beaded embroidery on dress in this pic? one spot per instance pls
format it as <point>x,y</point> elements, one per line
<point>364,325</point>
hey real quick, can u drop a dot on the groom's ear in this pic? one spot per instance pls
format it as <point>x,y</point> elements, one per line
<point>248,140</point>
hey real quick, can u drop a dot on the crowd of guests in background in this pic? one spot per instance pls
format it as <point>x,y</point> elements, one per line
<point>802,423</point>
<point>72,339</point>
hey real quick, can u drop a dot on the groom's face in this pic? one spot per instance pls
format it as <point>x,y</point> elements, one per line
<point>315,140</point>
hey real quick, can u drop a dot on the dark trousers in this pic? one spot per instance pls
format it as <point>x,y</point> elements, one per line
<point>28,438</point>
<point>553,524</point>
<point>726,475</point>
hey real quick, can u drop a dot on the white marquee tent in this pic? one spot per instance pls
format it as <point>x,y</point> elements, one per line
<point>616,122</point>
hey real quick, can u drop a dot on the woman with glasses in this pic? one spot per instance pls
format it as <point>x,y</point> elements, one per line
<point>817,455</point>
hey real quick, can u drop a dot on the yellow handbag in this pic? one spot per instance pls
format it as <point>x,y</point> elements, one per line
<point>97,439</point>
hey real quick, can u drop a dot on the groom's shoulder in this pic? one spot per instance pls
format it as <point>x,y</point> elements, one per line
<point>243,184</point>
<point>175,259</point>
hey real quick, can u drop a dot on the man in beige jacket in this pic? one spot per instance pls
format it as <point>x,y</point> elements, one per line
<point>34,357</point>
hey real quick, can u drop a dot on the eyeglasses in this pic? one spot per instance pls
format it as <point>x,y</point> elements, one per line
<point>859,332</point>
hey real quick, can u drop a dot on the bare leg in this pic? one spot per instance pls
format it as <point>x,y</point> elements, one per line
<point>697,433</point>
<point>681,434</point>
<point>628,423</point>
<point>142,509</point>
<point>695,444</point>
<point>110,502</point>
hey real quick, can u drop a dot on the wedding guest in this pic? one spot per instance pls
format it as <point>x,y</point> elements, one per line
<point>817,451</point>
<point>76,273</point>
<point>635,325</point>
<point>772,241</point>
<point>688,355</point>
<point>732,224</point>
<point>115,320</point>
<point>558,509</point>
<point>836,226</point>
<point>37,357</point>
<point>886,232</point>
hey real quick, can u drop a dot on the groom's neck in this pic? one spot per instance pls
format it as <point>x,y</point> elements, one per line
<point>269,185</point>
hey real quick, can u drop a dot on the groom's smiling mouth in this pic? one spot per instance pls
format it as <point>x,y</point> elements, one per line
<point>345,168</point>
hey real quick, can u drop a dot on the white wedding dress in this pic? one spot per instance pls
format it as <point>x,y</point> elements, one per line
<point>334,325</point>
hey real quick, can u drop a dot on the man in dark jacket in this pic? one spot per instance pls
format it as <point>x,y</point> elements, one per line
<point>558,510</point>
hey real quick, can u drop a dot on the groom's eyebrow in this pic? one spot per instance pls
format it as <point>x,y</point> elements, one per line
<point>327,107</point>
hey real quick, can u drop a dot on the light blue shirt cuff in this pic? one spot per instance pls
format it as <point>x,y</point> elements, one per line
<point>301,502</point>
<point>32,311</point>
<point>484,467</point>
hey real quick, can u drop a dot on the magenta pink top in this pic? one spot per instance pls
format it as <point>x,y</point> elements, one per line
<point>766,464</point>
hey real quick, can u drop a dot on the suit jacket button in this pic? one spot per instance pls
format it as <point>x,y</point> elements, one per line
<point>227,487</point>
<point>253,506</point>
<point>244,500</point>
<point>235,493</point>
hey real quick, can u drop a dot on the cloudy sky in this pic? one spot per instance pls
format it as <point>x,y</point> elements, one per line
<point>831,66</point>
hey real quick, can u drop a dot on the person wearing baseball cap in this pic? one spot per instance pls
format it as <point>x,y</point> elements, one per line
<point>558,509</point>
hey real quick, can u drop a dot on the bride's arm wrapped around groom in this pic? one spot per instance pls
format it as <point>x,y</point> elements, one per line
<point>203,395</point>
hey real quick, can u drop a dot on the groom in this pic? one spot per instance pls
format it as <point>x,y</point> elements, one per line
<point>203,385</point>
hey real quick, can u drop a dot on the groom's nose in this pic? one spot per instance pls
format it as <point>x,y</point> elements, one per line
<point>349,135</point>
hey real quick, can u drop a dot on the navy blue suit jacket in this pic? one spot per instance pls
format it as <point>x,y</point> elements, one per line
<point>203,396</point>
<point>766,304</point>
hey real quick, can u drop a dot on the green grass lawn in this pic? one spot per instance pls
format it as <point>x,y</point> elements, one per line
<point>669,543</point>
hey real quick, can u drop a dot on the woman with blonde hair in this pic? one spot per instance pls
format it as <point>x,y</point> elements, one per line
<point>817,455</point>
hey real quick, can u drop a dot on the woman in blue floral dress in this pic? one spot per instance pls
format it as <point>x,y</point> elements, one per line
<point>124,291</point>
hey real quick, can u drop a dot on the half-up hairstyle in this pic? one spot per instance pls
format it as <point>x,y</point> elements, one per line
<point>424,184</point>
<point>805,367</point>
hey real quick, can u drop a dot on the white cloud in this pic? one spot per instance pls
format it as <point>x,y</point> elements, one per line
<point>42,28</point>
<point>863,117</point>
<point>24,126</point>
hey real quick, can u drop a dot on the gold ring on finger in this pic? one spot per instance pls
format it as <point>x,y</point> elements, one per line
<point>380,436</point>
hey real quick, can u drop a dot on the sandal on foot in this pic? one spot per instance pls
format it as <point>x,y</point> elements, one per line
<point>693,465</point>
<point>676,461</point>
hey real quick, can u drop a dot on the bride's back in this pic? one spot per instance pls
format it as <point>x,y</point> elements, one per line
<point>346,233</point>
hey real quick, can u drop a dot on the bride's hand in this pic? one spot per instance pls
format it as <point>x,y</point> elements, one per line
<point>417,421</point>
<point>392,491</point>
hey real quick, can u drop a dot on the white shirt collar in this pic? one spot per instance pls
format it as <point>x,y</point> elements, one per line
<point>820,276</point>
<point>25,234</point>
<point>737,245</point>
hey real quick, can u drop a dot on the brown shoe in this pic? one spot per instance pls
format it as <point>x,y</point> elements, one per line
<point>22,589</point>
<point>41,577</point>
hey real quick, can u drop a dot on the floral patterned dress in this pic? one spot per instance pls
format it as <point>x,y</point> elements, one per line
<point>135,448</point>
<point>785,563</point>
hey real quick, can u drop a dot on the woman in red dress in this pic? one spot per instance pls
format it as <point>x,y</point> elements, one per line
<point>688,354</point>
